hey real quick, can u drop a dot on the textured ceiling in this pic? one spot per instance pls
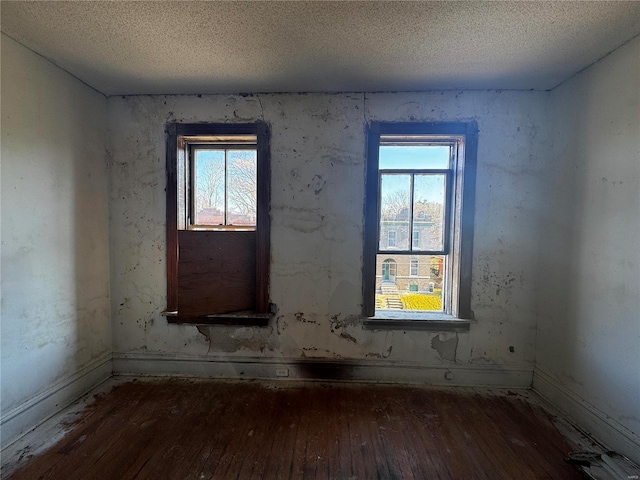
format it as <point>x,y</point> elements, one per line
<point>231,47</point>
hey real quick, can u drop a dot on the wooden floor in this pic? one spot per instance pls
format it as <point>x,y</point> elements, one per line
<point>201,430</point>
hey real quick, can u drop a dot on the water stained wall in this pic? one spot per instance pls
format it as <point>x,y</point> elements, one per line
<point>318,170</point>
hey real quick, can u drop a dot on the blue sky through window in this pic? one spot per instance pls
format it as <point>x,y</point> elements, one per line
<point>411,157</point>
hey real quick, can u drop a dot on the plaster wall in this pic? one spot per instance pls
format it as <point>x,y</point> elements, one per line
<point>589,327</point>
<point>318,168</point>
<point>55,253</point>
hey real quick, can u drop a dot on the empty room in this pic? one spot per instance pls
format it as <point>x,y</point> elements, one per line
<point>320,239</point>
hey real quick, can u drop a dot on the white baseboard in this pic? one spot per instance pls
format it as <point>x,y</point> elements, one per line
<point>310,369</point>
<point>27,416</point>
<point>606,430</point>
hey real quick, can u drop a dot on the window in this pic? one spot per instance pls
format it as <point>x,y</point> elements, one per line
<point>416,231</point>
<point>391,238</point>
<point>415,267</point>
<point>223,183</point>
<point>420,186</point>
<point>217,222</point>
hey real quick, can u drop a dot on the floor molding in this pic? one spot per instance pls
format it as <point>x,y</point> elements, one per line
<point>310,369</point>
<point>28,415</point>
<point>612,434</point>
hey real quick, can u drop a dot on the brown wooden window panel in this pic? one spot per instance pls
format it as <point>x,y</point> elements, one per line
<point>218,250</point>
<point>399,223</point>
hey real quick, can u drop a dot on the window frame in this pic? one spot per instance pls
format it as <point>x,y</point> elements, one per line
<point>173,132</point>
<point>465,136</point>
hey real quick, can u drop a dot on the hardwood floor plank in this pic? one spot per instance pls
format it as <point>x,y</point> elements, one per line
<point>356,442</point>
<point>241,430</point>
<point>358,436</point>
<point>185,429</point>
<point>386,465</point>
<point>504,462</point>
<point>206,435</point>
<point>287,417</point>
<point>392,441</point>
<point>485,459</point>
<point>343,407</point>
<point>305,397</point>
<point>426,423</point>
<point>219,431</point>
<point>113,426</point>
<point>313,449</point>
<point>174,448</point>
<point>258,457</point>
<point>56,464</point>
<point>530,432</point>
<point>150,431</point>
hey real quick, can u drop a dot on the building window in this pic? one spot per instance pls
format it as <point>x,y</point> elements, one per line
<point>421,185</point>
<point>217,221</point>
<point>392,237</point>
<point>415,267</point>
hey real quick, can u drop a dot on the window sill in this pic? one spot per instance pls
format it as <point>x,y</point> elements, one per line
<point>241,319</point>
<point>394,320</point>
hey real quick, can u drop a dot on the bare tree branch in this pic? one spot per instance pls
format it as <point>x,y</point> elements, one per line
<point>243,183</point>
<point>210,185</point>
<point>395,205</point>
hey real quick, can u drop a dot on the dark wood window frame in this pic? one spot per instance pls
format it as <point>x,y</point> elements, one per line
<point>459,235</point>
<point>174,131</point>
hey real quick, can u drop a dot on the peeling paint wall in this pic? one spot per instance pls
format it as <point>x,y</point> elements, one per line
<point>589,327</point>
<point>318,167</point>
<point>56,319</point>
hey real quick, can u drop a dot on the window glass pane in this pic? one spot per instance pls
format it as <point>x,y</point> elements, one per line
<point>242,187</point>
<point>413,157</point>
<point>209,187</point>
<point>429,211</point>
<point>410,283</point>
<point>394,211</point>
<point>182,189</point>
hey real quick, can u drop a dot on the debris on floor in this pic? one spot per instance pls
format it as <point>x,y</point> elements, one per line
<point>605,466</point>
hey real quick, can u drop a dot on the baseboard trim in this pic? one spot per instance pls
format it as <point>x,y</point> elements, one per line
<point>606,430</point>
<point>311,369</point>
<point>25,417</point>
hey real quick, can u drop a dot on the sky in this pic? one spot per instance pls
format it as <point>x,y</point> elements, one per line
<point>414,157</point>
<point>429,188</point>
